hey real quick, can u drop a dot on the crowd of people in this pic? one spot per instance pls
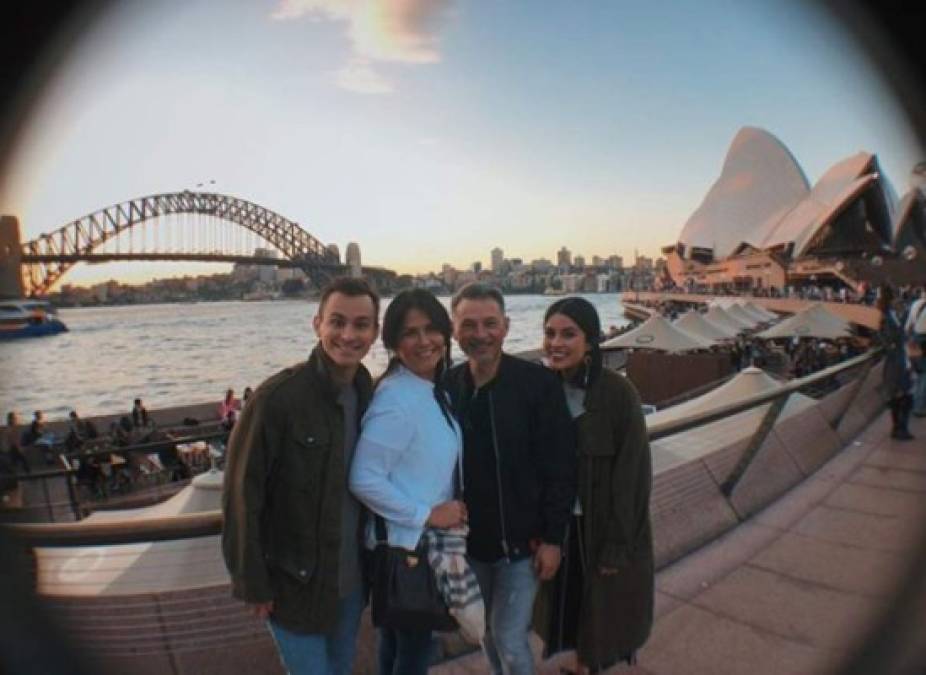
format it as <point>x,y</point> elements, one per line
<point>524,487</point>
<point>100,466</point>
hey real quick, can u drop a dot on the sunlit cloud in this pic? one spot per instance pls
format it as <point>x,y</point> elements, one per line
<point>396,31</point>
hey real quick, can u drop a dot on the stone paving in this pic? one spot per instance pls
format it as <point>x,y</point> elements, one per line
<point>793,589</point>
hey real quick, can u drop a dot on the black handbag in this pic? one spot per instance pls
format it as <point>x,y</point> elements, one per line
<point>405,594</point>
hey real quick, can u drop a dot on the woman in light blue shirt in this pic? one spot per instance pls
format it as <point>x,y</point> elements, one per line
<point>409,450</point>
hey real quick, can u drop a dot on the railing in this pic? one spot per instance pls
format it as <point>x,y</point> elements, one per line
<point>210,522</point>
<point>69,476</point>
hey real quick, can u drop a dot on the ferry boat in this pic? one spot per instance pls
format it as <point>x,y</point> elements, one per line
<point>28,318</point>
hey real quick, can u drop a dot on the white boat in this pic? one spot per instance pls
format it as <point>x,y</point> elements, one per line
<point>28,318</point>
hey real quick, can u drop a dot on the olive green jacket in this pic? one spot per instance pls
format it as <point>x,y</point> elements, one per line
<point>615,481</point>
<point>285,481</point>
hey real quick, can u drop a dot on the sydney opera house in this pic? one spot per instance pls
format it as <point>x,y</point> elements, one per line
<point>763,226</point>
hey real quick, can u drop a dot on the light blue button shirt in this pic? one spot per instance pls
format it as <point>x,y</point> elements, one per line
<point>405,458</point>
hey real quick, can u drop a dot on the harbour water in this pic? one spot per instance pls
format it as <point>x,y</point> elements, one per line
<point>176,354</point>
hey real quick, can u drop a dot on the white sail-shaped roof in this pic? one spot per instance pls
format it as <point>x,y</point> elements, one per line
<point>815,321</point>
<point>760,178</point>
<point>658,334</point>
<point>748,382</point>
<point>752,313</point>
<point>762,199</point>
<point>694,323</point>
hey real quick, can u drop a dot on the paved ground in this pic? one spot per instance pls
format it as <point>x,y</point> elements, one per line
<point>792,589</point>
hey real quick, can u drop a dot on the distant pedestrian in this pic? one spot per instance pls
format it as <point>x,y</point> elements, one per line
<point>228,409</point>
<point>9,443</point>
<point>246,396</point>
<point>897,378</point>
<point>139,414</point>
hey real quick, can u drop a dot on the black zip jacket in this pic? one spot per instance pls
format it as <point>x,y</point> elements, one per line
<point>529,440</point>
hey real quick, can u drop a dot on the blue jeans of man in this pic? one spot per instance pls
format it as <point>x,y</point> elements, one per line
<point>322,654</point>
<point>508,590</point>
<point>404,652</point>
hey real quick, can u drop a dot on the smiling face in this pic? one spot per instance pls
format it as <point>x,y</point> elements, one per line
<point>421,345</point>
<point>480,327</point>
<point>564,344</point>
<point>346,327</point>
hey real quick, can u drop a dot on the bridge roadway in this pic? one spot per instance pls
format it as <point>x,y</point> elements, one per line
<point>794,588</point>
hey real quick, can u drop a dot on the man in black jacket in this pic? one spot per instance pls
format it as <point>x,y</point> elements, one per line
<point>519,472</point>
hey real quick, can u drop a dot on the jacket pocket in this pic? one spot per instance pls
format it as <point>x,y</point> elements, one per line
<point>304,457</point>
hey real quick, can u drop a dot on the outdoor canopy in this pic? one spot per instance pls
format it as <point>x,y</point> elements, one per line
<point>658,334</point>
<point>814,322</point>
<point>718,315</point>
<point>694,323</point>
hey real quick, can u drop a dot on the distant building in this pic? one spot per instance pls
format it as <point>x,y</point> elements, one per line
<point>352,259</point>
<point>266,273</point>
<point>616,262</point>
<point>597,261</point>
<point>498,258</point>
<point>563,258</point>
<point>541,265</point>
<point>763,225</point>
<point>579,262</point>
<point>334,252</point>
<point>476,267</point>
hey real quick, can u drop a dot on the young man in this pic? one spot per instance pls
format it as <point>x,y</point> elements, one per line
<point>519,472</point>
<point>292,539</point>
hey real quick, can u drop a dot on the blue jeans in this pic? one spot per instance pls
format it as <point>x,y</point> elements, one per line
<point>404,652</point>
<point>322,654</point>
<point>508,590</point>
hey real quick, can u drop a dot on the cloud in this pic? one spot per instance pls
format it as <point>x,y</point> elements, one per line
<point>357,76</point>
<point>393,31</point>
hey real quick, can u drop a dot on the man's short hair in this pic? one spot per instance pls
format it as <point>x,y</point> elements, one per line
<point>477,290</point>
<point>352,287</point>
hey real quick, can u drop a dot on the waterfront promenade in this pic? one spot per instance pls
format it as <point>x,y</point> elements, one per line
<point>793,589</point>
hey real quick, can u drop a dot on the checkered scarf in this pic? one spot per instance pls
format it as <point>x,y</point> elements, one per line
<point>456,581</point>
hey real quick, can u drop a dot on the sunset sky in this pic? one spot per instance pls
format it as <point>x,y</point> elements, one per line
<point>430,131</point>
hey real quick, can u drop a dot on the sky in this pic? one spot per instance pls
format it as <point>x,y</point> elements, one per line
<point>431,131</point>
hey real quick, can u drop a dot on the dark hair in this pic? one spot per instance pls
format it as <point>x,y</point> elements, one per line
<point>352,287</point>
<point>393,321</point>
<point>477,290</point>
<point>585,316</point>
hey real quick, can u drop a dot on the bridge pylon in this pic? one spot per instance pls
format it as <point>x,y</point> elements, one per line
<point>11,279</point>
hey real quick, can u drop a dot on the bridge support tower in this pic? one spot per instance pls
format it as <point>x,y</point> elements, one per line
<point>11,279</point>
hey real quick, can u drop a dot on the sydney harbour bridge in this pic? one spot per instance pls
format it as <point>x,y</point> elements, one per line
<point>176,226</point>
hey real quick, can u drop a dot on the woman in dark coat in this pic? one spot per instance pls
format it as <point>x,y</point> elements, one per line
<point>897,376</point>
<point>601,601</point>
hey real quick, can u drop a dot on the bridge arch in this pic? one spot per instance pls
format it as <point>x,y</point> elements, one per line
<point>48,257</point>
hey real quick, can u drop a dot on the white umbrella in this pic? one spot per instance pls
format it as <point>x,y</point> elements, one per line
<point>658,334</point>
<point>814,322</point>
<point>758,310</point>
<point>694,323</point>
<point>742,315</point>
<point>748,382</point>
<point>718,315</point>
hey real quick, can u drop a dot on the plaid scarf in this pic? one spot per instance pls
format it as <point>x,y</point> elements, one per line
<point>456,581</point>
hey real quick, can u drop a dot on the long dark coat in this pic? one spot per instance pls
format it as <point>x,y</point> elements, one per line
<point>897,379</point>
<point>615,480</point>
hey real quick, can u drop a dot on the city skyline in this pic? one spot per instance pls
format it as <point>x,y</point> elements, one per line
<point>428,131</point>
